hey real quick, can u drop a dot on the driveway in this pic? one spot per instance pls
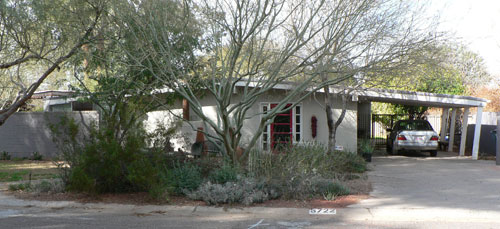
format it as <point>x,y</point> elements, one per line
<point>445,188</point>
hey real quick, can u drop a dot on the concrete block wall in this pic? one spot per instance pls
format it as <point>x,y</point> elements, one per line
<point>27,132</point>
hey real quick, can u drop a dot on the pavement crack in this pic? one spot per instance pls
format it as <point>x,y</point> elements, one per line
<point>195,207</point>
<point>369,211</point>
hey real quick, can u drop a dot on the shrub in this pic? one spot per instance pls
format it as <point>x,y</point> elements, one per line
<point>226,173</point>
<point>311,159</point>
<point>346,162</point>
<point>52,186</point>
<point>46,186</point>
<point>5,156</point>
<point>36,156</point>
<point>185,178</point>
<point>334,189</point>
<point>20,187</point>
<point>246,191</point>
<point>304,172</point>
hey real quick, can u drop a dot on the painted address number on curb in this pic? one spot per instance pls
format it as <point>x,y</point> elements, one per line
<point>323,211</point>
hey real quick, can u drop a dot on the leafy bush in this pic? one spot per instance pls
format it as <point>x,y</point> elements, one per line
<point>36,156</point>
<point>226,173</point>
<point>186,177</point>
<point>5,156</point>
<point>246,191</point>
<point>105,162</point>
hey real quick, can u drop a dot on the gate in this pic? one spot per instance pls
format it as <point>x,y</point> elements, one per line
<point>380,122</point>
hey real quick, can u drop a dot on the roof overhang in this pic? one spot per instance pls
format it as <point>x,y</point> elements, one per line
<point>396,96</point>
<point>420,98</point>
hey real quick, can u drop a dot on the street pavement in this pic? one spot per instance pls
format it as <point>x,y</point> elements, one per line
<point>409,192</point>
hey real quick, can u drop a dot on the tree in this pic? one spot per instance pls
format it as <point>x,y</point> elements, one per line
<point>111,80</point>
<point>41,35</point>
<point>257,44</point>
<point>447,68</point>
<point>370,39</point>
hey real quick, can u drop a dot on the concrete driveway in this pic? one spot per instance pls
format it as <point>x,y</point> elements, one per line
<point>418,188</point>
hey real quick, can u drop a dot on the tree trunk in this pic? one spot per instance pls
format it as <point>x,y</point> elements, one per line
<point>333,125</point>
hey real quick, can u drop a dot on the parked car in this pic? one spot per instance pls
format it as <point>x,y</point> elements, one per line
<point>416,135</point>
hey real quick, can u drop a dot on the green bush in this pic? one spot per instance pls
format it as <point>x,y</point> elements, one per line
<point>79,181</point>
<point>346,162</point>
<point>20,187</point>
<point>185,177</point>
<point>5,156</point>
<point>226,173</point>
<point>36,156</point>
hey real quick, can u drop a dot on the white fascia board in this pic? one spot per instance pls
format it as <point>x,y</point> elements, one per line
<point>423,98</point>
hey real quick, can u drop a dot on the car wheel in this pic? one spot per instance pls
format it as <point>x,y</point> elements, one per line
<point>433,153</point>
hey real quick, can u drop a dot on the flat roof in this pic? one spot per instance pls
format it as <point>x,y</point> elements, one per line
<point>420,98</point>
<point>398,96</point>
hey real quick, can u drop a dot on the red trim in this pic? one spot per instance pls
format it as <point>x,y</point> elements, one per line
<point>290,124</point>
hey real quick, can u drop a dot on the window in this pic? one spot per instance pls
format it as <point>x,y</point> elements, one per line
<point>286,127</point>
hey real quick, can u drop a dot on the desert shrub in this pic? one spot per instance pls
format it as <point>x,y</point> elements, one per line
<point>48,186</point>
<point>346,162</point>
<point>106,162</point>
<point>45,186</point>
<point>5,156</point>
<point>226,173</point>
<point>20,187</point>
<point>245,191</point>
<point>304,172</point>
<point>185,177</point>
<point>310,159</point>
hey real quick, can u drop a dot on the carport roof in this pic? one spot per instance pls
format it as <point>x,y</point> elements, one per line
<point>419,98</point>
<point>395,96</point>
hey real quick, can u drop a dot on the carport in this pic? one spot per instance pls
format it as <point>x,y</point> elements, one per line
<point>443,101</point>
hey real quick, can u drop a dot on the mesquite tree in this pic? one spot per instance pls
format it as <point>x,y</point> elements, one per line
<point>256,44</point>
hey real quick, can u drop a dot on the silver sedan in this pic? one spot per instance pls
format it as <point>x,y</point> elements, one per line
<point>415,135</point>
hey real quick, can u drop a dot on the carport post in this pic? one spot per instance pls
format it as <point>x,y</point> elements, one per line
<point>463,138</point>
<point>498,140</point>
<point>452,129</point>
<point>444,123</point>
<point>477,133</point>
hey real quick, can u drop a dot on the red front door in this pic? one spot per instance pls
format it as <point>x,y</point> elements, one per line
<point>281,129</point>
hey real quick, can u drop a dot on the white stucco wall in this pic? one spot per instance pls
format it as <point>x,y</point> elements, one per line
<point>346,133</point>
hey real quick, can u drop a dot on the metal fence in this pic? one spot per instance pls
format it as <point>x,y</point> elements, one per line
<point>380,122</point>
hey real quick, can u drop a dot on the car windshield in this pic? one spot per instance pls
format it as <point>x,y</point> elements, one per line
<point>414,125</point>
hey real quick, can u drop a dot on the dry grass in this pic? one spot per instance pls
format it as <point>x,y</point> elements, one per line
<point>21,170</point>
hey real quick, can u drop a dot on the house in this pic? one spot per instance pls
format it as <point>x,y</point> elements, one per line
<point>307,121</point>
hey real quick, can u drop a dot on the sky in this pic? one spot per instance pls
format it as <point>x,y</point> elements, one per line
<point>476,23</point>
